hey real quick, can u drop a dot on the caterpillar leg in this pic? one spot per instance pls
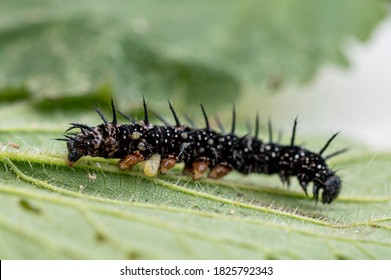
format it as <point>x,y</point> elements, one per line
<point>219,171</point>
<point>167,164</point>
<point>285,179</point>
<point>130,160</point>
<point>187,170</point>
<point>303,180</point>
<point>199,167</point>
<point>196,169</point>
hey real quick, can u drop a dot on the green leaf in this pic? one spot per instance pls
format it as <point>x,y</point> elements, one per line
<point>96,211</point>
<point>180,49</point>
<point>59,60</point>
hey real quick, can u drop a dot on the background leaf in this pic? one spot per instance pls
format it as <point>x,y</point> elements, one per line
<point>180,49</point>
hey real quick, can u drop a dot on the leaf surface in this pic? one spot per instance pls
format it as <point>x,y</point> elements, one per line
<point>96,211</point>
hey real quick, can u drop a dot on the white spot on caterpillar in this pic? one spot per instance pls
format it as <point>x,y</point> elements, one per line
<point>151,165</point>
<point>141,146</point>
<point>136,135</point>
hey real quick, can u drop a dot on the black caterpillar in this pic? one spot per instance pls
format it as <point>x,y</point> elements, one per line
<point>160,147</point>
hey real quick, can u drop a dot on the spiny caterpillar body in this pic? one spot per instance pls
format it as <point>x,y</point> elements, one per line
<point>160,147</point>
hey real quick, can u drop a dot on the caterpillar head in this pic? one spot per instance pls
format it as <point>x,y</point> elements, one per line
<point>88,142</point>
<point>106,140</point>
<point>331,188</point>
<point>76,149</point>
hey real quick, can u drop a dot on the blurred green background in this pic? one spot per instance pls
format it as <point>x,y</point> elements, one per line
<point>71,55</point>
